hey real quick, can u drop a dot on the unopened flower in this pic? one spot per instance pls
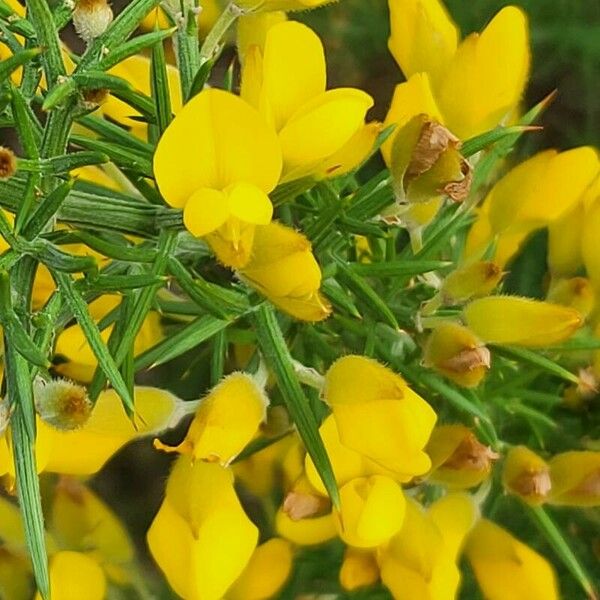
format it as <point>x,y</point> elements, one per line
<point>576,292</point>
<point>575,478</point>
<point>201,537</point>
<point>458,458</point>
<point>218,160</point>
<point>225,422</point>
<point>379,416</point>
<point>416,562</point>
<point>286,82</point>
<point>62,403</point>
<point>371,511</point>
<point>309,531</point>
<point>507,569</point>
<point>91,18</point>
<point>359,569</point>
<point>471,281</point>
<point>8,163</point>
<point>266,573</point>
<point>521,321</point>
<point>526,475</point>
<point>426,163</point>
<point>284,269</point>
<point>457,353</point>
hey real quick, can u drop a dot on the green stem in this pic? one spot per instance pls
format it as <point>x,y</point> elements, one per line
<point>213,40</point>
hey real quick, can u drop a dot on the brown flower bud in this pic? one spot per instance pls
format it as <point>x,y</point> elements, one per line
<point>459,460</point>
<point>8,163</point>
<point>526,475</point>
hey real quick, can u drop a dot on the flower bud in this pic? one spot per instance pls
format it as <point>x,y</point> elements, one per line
<point>521,321</point>
<point>575,479</point>
<point>8,163</point>
<point>456,352</point>
<point>458,459</point>
<point>91,18</point>
<point>303,502</point>
<point>305,532</point>
<point>526,475</point>
<point>426,163</point>
<point>577,293</point>
<point>471,281</point>
<point>359,569</point>
<point>507,569</point>
<point>371,511</point>
<point>265,574</point>
<point>62,404</point>
<point>379,416</point>
<point>284,269</point>
<point>225,422</point>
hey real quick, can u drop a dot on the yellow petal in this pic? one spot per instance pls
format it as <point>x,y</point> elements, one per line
<point>252,30</point>
<point>216,140</point>
<point>526,475</point>
<point>293,70</point>
<point>205,211</point>
<point>565,242</point>
<point>358,570</point>
<point>266,572</point>
<point>481,85</point>
<point>424,37</point>
<point>371,511</point>
<point>249,204</point>
<point>575,478</point>
<point>75,575</point>
<point>521,321</point>
<point>305,532</point>
<point>507,569</point>
<point>321,127</point>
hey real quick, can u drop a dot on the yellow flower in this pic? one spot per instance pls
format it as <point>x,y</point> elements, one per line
<point>284,269</point>
<point>575,478</point>
<point>379,416</point>
<point>347,464</point>
<point>458,459</point>
<point>371,511</point>
<point>252,30</point>
<point>455,351</point>
<point>306,532</point>
<point>218,161</point>
<point>207,16</point>
<point>416,563</point>
<point>80,521</point>
<point>266,573</point>
<point>471,281</point>
<point>290,5</point>
<point>358,570</point>
<point>75,575</point>
<point>526,475</point>
<point>521,321</point>
<point>507,569</point>
<point>225,422</point>
<point>471,85</point>
<point>286,82</point>
<point>589,232</point>
<point>201,537</point>
<point>534,194</point>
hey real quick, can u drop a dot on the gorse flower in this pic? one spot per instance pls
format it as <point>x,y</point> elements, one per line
<point>201,538</point>
<point>218,161</point>
<point>290,5</point>
<point>286,81</point>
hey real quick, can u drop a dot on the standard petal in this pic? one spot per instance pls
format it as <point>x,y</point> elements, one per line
<point>217,139</point>
<point>424,37</point>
